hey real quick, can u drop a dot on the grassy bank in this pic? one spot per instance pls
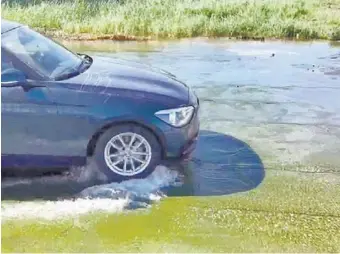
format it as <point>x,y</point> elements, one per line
<point>163,19</point>
<point>287,213</point>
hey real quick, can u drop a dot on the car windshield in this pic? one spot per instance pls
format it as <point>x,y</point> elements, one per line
<point>40,53</point>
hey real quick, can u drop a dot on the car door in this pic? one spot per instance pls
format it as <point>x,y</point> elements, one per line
<point>29,120</point>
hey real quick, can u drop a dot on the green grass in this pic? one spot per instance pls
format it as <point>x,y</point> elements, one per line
<point>286,213</point>
<point>164,19</point>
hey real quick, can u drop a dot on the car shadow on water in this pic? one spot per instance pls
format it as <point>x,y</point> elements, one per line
<point>220,165</point>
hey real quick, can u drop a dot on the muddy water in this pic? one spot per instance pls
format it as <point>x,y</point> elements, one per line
<point>266,106</point>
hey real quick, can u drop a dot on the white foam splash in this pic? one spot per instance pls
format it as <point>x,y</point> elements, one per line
<point>109,198</point>
<point>161,177</point>
<point>51,210</point>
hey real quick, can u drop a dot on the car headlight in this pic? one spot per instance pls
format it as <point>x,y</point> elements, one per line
<point>177,117</point>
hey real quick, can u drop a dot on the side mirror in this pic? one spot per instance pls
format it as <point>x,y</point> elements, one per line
<point>13,77</point>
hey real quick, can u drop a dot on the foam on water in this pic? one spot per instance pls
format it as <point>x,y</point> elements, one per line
<point>138,188</point>
<point>110,198</point>
<point>51,210</point>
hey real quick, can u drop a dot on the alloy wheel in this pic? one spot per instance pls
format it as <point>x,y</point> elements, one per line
<point>127,154</point>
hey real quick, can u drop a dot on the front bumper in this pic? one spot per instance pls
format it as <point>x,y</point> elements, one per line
<point>188,148</point>
<point>191,142</point>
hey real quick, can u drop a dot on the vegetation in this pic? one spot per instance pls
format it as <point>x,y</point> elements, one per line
<point>285,213</point>
<point>164,19</point>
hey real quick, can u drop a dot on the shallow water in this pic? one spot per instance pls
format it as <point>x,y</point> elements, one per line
<point>265,106</point>
<point>281,98</point>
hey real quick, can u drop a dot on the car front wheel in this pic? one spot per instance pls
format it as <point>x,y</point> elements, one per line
<point>126,152</point>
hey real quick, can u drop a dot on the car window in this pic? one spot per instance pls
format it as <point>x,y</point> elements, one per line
<point>40,53</point>
<point>7,66</point>
<point>6,63</point>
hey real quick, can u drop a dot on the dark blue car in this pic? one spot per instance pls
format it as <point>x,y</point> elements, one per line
<point>60,108</point>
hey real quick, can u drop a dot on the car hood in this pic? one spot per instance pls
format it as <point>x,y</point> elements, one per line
<point>108,74</point>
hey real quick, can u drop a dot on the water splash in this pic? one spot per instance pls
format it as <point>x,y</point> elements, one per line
<point>139,192</point>
<point>51,210</point>
<point>111,198</point>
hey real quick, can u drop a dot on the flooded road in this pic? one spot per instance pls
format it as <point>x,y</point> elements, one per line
<point>280,98</point>
<point>265,106</point>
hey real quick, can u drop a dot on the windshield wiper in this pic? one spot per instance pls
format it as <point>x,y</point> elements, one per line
<point>86,58</point>
<point>67,75</point>
<point>86,62</point>
<point>83,66</point>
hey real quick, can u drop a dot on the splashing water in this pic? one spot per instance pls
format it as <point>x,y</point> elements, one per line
<point>111,198</point>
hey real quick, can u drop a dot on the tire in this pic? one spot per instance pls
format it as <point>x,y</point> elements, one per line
<point>126,130</point>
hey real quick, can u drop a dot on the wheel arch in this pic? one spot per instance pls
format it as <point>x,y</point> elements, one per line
<point>94,138</point>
